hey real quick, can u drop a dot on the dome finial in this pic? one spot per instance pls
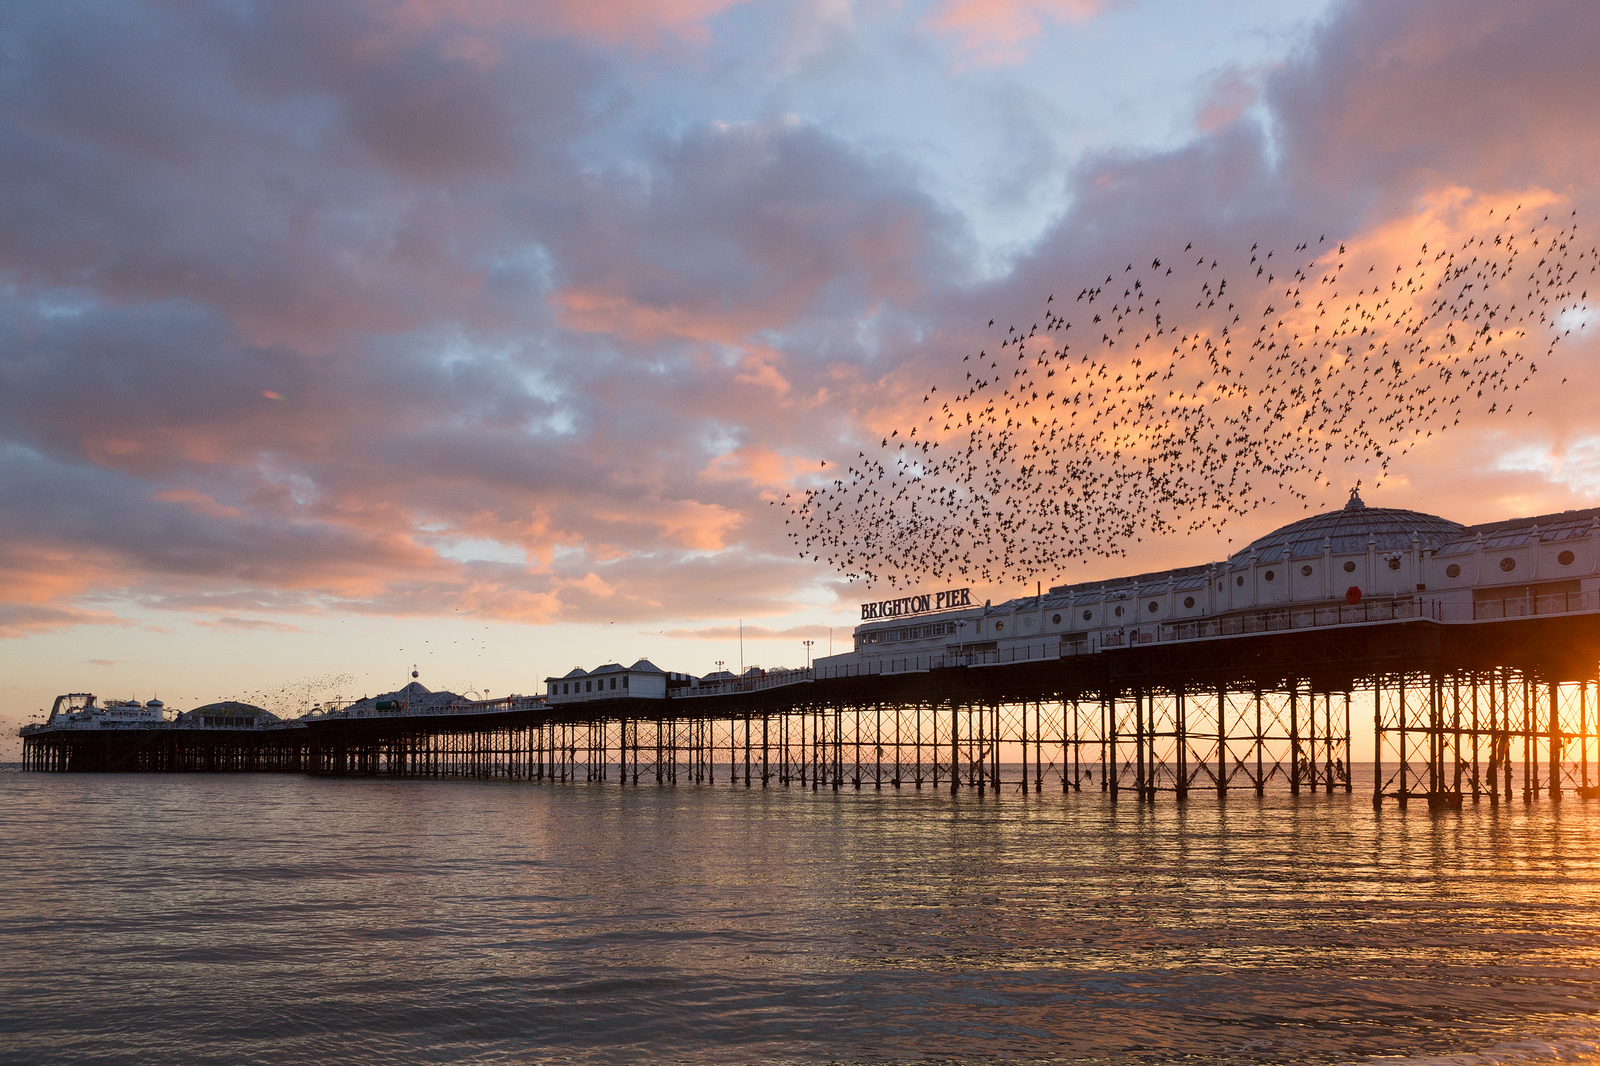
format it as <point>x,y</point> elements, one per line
<point>1354,503</point>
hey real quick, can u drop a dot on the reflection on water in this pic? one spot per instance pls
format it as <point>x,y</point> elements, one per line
<point>273,918</point>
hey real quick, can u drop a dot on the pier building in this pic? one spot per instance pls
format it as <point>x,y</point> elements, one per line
<point>1355,566</point>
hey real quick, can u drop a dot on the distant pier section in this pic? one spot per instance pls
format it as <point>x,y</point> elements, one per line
<point>1472,651</point>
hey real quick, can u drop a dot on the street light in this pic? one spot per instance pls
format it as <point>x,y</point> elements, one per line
<point>808,644</point>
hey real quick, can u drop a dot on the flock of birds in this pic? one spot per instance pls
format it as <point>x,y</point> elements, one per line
<point>1301,371</point>
<point>294,698</point>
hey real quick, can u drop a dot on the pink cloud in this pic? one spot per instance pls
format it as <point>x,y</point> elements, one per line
<point>19,620</point>
<point>249,625</point>
<point>999,31</point>
<point>1229,97</point>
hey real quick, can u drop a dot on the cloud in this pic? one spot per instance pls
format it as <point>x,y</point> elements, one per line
<point>545,357</point>
<point>641,23</point>
<point>751,632</point>
<point>1230,94</point>
<point>999,31</point>
<point>249,625</point>
<point>23,620</point>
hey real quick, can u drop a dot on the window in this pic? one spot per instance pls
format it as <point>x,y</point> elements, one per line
<point>588,686</point>
<point>1055,619</point>
<point>1154,606</point>
<point>624,682</point>
<point>1305,571</point>
<point>1239,581</point>
<point>613,682</point>
<point>1565,558</point>
<point>1269,575</point>
<point>1452,570</point>
<point>1188,601</point>
<point>1119,612</point>
<point>998,626</point>
<point>1088,615</point>
<point>564,691</point>
<point>1394,564</point>
<point>1349,566</point>
<point>1508,564</point>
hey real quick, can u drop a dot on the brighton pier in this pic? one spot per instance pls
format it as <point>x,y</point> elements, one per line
<point>1471,651</point>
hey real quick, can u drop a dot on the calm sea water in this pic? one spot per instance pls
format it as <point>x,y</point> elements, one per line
<point>244,919</point>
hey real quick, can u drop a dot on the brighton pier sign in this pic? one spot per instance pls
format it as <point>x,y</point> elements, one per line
<point>938,601</point>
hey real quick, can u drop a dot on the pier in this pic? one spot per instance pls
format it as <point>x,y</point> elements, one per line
<point>1497,710</point>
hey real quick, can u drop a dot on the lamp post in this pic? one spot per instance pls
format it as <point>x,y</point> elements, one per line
<point>961,638</point>
<point>808,644</point>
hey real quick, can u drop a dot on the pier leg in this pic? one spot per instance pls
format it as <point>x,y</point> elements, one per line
<point>1555,743</point>
<point>1294,738</point>
<point>1530,773</point>
<point>1222,742</point>
<point>1583,736</point>
<point>955,751</point>
<point>1261,748</point>
<point>1377,743</point>
<point>1139,782</point>
<point>1116,758</point>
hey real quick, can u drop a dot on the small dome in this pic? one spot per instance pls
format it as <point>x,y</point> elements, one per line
<point>1349,528</point>
<point>230,707</point>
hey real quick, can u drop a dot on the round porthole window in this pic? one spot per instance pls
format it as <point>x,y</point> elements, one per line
<point>998,626</point>
<point>1305,571</point>
<point>1349,567</point>
<point>1119,612</point>
<point>1239,581</point>
<point>1188,601</point>
<point>1453,570</point>
<point>1508,564</point>
<point>1055,619</point>
<point>1087,615</point>
<point>1565,558</point>
<point>1154,606</point>
<point>1394,564</point>
<point>1269,575</point>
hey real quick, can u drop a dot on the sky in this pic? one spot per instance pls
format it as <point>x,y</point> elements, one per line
<point>349,337</point>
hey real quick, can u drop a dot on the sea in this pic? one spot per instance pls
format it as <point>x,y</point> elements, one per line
<point>265,918</point>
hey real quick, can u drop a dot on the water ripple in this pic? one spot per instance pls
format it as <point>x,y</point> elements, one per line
<point>281,918</point>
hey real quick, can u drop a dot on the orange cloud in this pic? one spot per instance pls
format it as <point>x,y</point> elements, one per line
<point>595,310</point>
<point>758,466</point>
<point>696,526</point>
